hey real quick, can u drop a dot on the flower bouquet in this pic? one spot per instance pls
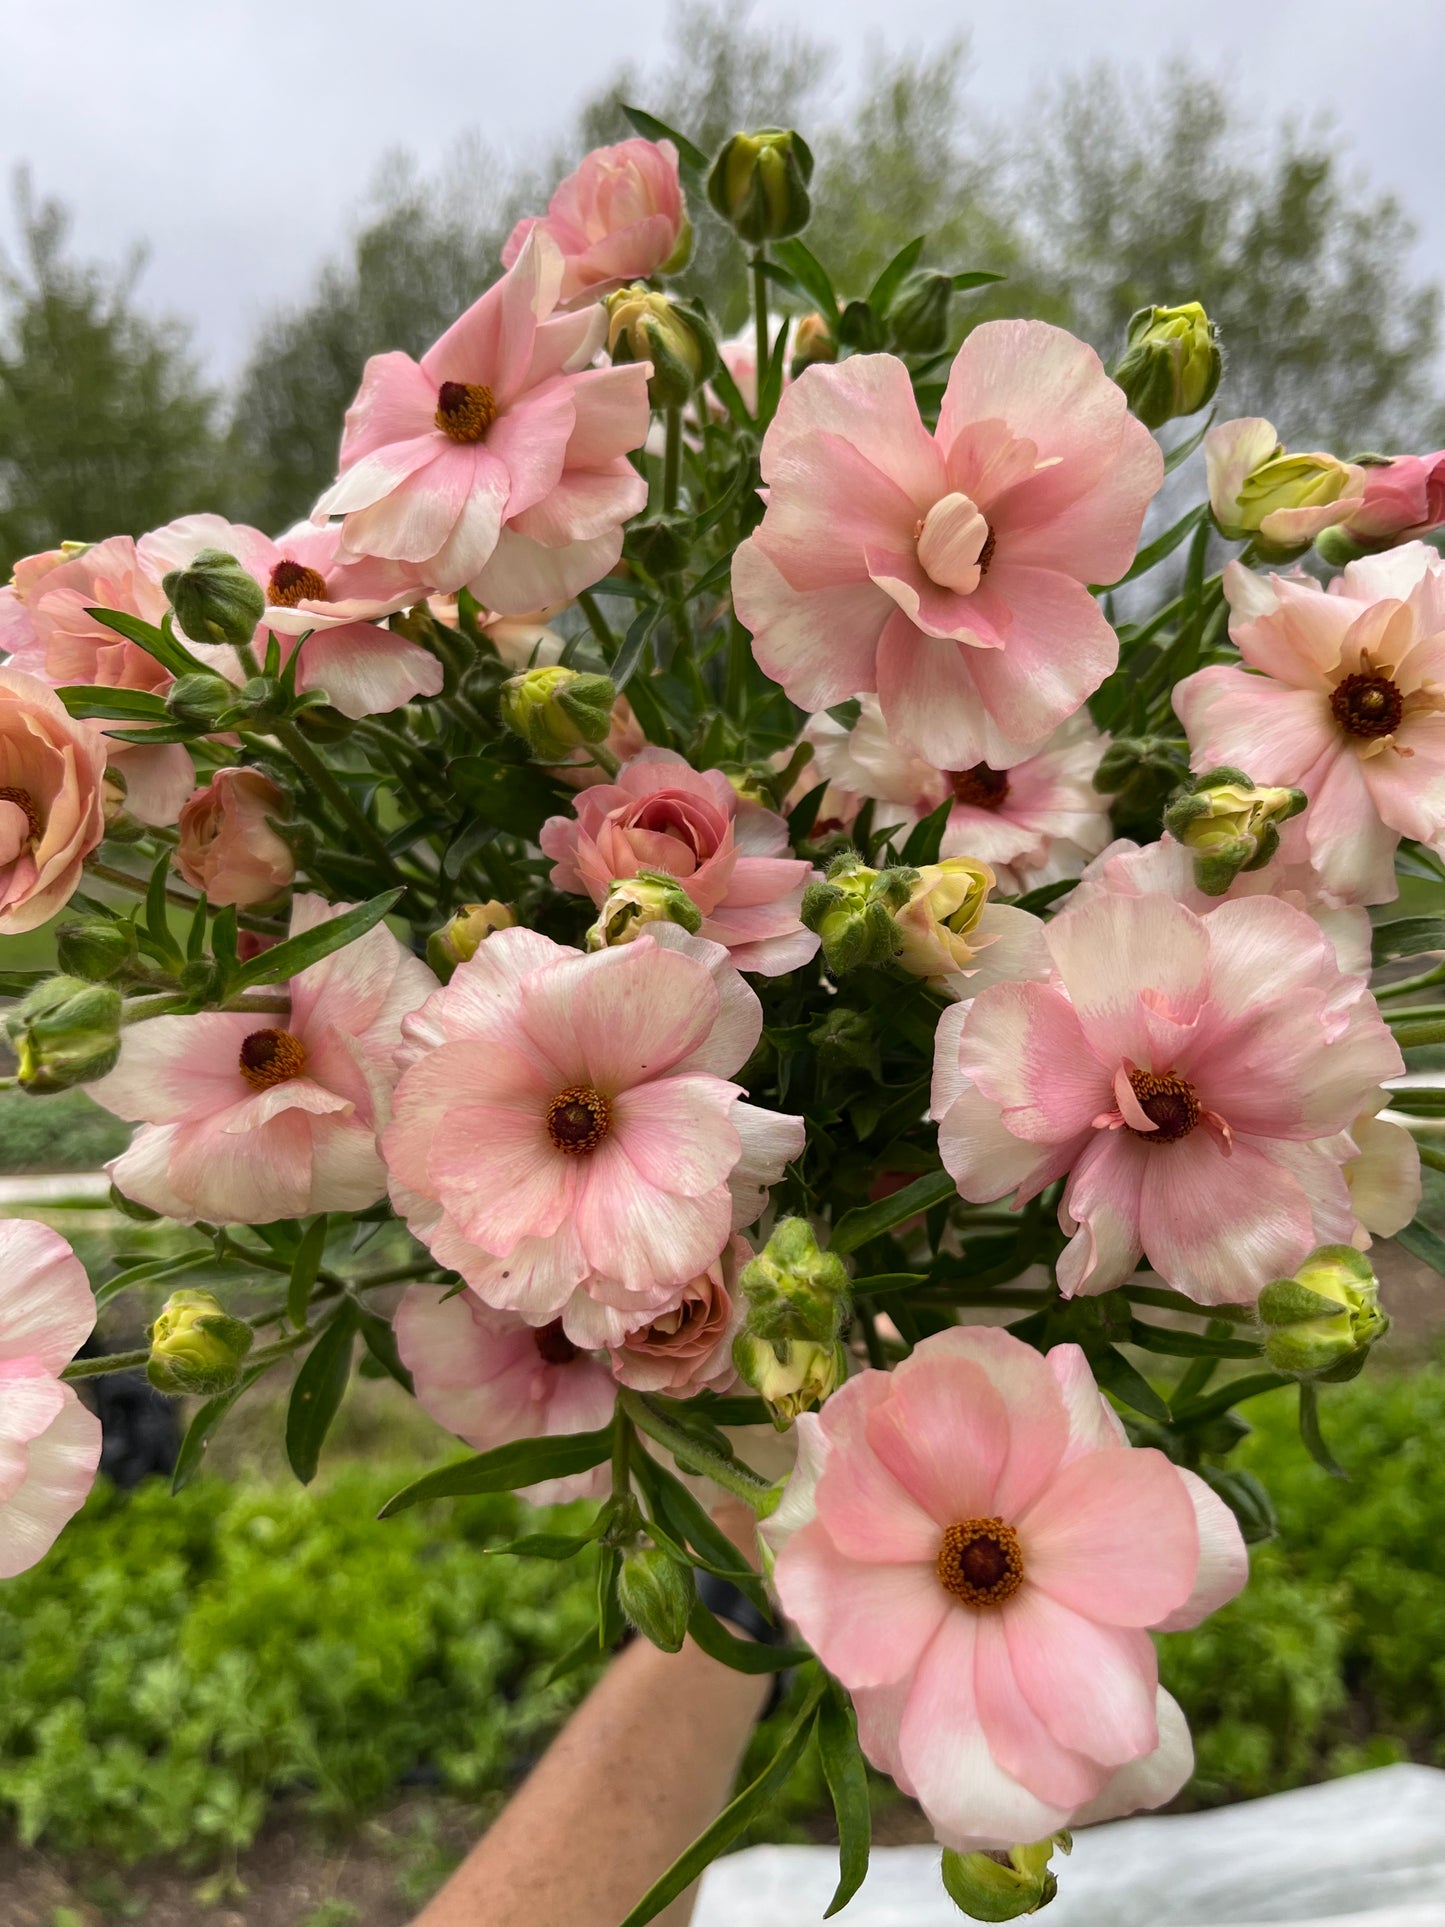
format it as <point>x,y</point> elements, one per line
<point>707,893</point>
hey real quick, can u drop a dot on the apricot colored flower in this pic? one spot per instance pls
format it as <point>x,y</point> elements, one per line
<point>680,1347</point>
<point>948,571</point>
<point>979,1561</point>
<point>227,847</point>
<point>51,810</point>
<point>620,217</point>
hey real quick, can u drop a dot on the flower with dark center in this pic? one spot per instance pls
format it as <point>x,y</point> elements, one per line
<point>985,554</point>
<point>1367,704</point>
<point>554,1347</point>
<point>292,583</point>
<point>24,802</point>
<point>980,788</point>
<point>1168,1101</point>
<point>465,410</point>
<point>271,1057</point>
<point>578,1119</point>
<point>981,1562</point>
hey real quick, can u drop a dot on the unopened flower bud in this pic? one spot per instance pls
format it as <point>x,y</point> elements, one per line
<point>214,598</point>
<point>759,183</point>
<point>634,902</point>
<point>1257,489</point>
<point>1171,363</point>
<point>200,700</point>
<point>553,710</point>
<point>845,1036</point>
<point>196,1348</point>
<point>1322,1322</point>
<point>1230,824</point>
<point>656,1592</point>
<point>852,911</point>
<point>1140,773</point>
<point>941,915</point>
<point>66,1032</point>
<point>643,325</point>
<point>1003,1886</point>
<point>813,340</point>
<point>95,948</point>
<point>789,1349</point>
<point>463,935</point>
<point>790,1375</point>
<point>1291,482</point>
<point>661,544</point>
<point>918,317</point>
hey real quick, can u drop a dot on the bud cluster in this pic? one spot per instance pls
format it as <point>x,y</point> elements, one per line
<point>1230,824</point>
<point>790,1350</point>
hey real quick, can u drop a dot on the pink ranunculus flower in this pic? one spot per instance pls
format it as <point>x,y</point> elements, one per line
<point>1342,696</point>
<point>1038,822</point>
<point>981,1562</point>
<point>1195,1078</point>
<point>499,460</point>
<point>491,1379</point>
<point>249,1118</point>
<point>46,629</point>
<point>339,606</point>
<point>565,1122</point>
<point>49,1442</point>
<point>679,1348</point>
<point>1256,489</point>
<point>1403,498</point>
<point>227,847</point>
<point>620,217</point>
<point>949,572</point>
<point>51,805</point>
<point>729,854</point>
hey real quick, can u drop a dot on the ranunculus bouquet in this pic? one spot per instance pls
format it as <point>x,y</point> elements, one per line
<point>690,902</point>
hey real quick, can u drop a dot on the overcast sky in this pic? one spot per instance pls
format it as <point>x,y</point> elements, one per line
<point>236,137</point>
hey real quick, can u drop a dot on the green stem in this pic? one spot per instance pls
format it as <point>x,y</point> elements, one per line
<point>621,1454</point>
<point>604,759</point>
<point>1407,986</point>
<point>306,759</point>
<point>99,1367</point>
<point>124,880</point>
<point>598,623</point>
<point>672,461</point>
<point>760,327</point>
<point>731,1474</point>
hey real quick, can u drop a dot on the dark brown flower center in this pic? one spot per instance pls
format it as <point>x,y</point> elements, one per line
<point>1367,705</point>
<point>465,410</point>
<point>981,1562</point>
<point>1168,1101</point>
<point>24,802</point>
<point>985,554</point>
<point>271,1057</point>
<point>554,1347</point>
<point>578,1119</point>
<point>293,582</point>
<point>981,788</point>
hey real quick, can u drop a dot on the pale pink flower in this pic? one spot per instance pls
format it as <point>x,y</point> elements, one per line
<point>51,806</point>
<point>249,1118</point>
<point>620,217</point>
<point>490,1378</point>
<point>1310,492</point>
<point>729,854</point>
<point>948,572</point>
<point>980,1565</point>
<point>679,1348</point>
<point>1195,1078</point>
<point>49,1442</point>
<point>339,606</point>
<point>227,847</point>
<point>498,461</point>
<point>1348,704</point>
<point>1403,498</point>
<point>568,1119</point>
<point>1035,823</point>
<point>1384,1178</point>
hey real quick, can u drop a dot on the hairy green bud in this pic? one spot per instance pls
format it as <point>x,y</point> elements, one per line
<point>554,710</point>
<point>200,700</point>
<point>215,600</point>
<point>656,1592</point>
<point>196,1348</point>
<point>634,902</point>
<point>95,948</point>
<point>918,315</point>
<point>759,184</point>
<point>1322,1322</point>
<point>853,911</point>
<point>1231,824</point>
<point>1171,363</point>
<point>66,1032</point>
<point>789,1349</point>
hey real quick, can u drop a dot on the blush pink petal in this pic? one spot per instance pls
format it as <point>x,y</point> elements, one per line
<point>1152,1780</point>
<point>639,1233</point>
<point>1038,1423</point>
<point>1119,957</point>
<point>944,1436</point>
<point>1114,1537</point>
<point>47,1309</point>
<point>522,575</point>
<point>838,1604</point>
<point>1230,715</point>
<point>1026,1052</point>
<point>528,1189</point>
<point>677,1133</point>
<point>621,1021</point>
<point>1102,1199</point>
<point>1017,1738</point>
<point>1093,1686</point>
<point>1223,1558</point>
<point>984,1158</point>
<point>58,1471</point>
<point>1270,1226</point>
<point>869,1515</point>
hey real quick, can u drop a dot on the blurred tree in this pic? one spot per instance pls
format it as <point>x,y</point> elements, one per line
<point>105,428</point>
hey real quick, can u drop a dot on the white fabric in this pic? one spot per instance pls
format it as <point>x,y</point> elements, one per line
<point>1368,1851</point>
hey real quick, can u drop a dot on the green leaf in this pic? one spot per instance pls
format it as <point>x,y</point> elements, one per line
<point>151,1270</point>
<point>1117,1375</point>
<point>515,797</point>
<point>742,1655</point>
<point>198,1432</point>
<point>733,1820</point>
<point>1311,1435</point>
<point>505,1467</point>
<point>867,1221</point>
<point>847,1779</point>
<point>298,953</point>
<point>160,643</point>
<point>1187,1344</point>
<point>1408,937</point>
<point>690,155</point>
<point>139,705</point>
<point>317,1394</point>
<point>1035,900</point>
<point>633,644</point>
<point>975,278</point>
<point>880,295</point>
<point>304,1269</point>
<point>882,1282</point>
<point>770,388</point>
<point>804,814</point>
<point>586,1651</point>
<point>1163,545</point>
<point>1200,1410</point>
<point>926,837</point>
<point>547,1545</point>
<point>730,395</point>
<point>380,1340</point>
<point>1423,1243</point>
<point>679,1514</point>
<point>808,271</point>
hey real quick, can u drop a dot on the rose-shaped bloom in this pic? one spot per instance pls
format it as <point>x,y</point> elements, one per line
<point>498,461</point>
<point>948,572</point>
<point>567,1119</point>
<point>49,1442</point>
<point>51,811</point>
<point>1342,696</point>
<point>339,606</point>
<point>1404,497</point>
<point>682,1347</point>
<point>246,1120</point>
<point>46,629</point>
<point>620,217</point>
<point>490,1378</point>
<point>1256,489</point>
<point>729,854</point>
<point>982,1557</point>
<point>227,846</point>
<point>1194,1077</point>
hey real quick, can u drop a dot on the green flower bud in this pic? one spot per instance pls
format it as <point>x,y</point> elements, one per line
<point>860,328</point>
<point>791,1375</point>
<point>1003,1886</point>
<point>1171,363</point>
<point>656,1592</point>
<point>553,710</point>
<point>759,183</point>
<point>1230,824</point>
<point>634,902</point>
<point>66,1032</point>
<point>1140,773</point>
<point>1322,1322</point>
<point>215,600</point>
<point>643,325</point>
<point>96,948</point>
<point>463,935</point>
<point>813,341</point>
<point>200,700</point>
<point>196,1348</point>
<point>789,1349</point>
<point>853,911</point>
<point>848,1037</point>
<point>918,315</point>
<point>661,544</point>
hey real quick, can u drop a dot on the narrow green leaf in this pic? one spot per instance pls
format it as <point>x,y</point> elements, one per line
<point>1312,1436</point>
<point>84,699</point>
<point>689,154</point>
<point>1423,1243</point>
<point>160,643</point>
<point>1200,1410</point>
<point>203,1425</point>
<point>151,1270</point>
<point>1187,1344</point>
<point>157,922</point>
<point>882,1282</point>
<point>513,797</point>
<point>679,1514</point>
<point>586,1651</point>
<point>742,1655</point>
<point>867,1221</point>
<point>380,1340</point>
<point>770,388</point>
<point>633,644</point>
<point>804,814</point>
<point>1408,937</point>
<point>812,276</point>
<point>730,395</point>
<point>505,1467</point>
<point>1163,545</point>
<point>880,295</point>
<point>1117,1375</point>
<point>304,1268</point>
<point>298,953</point>
<point>926,837</point>
<point>1036,900</point>
<point>975,278</point>
<point>317,1394</point>
<point>546,1545</point>
<point>847,1779</point>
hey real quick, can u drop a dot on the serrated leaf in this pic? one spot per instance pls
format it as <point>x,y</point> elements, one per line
<point>295,954</point>
<point>867,1221</point>
<point>505,1467</point>
<point>317,1394</point>
<point>847,1779</point>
